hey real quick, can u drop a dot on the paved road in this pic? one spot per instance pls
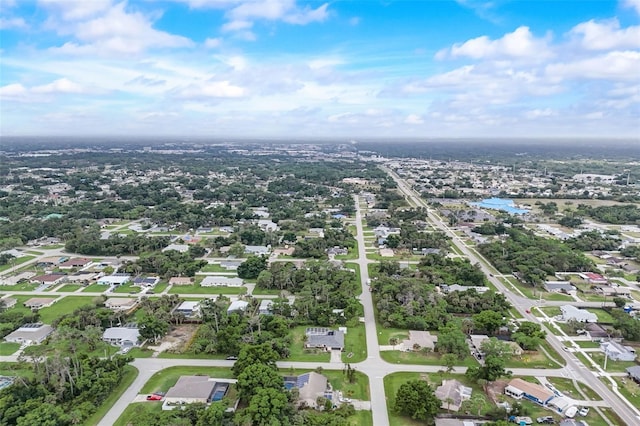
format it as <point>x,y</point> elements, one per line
<point>625,410</point>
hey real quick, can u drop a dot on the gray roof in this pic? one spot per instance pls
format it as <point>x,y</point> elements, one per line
<point>30,332</point>
<point>192,387</point>
<point>559,285</point>
<point>332,339</point>
<point>313,386</point>
<point>121,333</point>
<point>634,371</point>
<point>571,312</point>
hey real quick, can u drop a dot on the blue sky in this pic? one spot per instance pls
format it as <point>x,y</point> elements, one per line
<point>305,69</point>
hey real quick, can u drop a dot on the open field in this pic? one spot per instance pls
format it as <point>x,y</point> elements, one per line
<point>64,306</point>
<point>15,262</point>
<point>197,289</point>
<point>355,345</point>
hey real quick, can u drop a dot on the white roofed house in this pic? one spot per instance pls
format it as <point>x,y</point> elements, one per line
<point>189,309</point>
<point>617,352</point>
<point>120,304</point>
<point>256,250</point>
<point>114,279</point>
<point>122,336</point>
<point>221,281</point>
<point>452,393</point>
<point>30,334</point>
<point>237,306</point>
<point>570,312</point>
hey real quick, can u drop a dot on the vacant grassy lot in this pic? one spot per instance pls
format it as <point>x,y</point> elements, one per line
<point>567,387</point>
<point>215,267</point>
<point>355,345</point>
<point>421,358</point>
<point>70,288</point>
<point>164,379</point>
<point>64,306</point>
<point>197,289</point>
<point>19,287</point>
<point>386,334</point>
<point>96,288</point>
<point>15,262</point>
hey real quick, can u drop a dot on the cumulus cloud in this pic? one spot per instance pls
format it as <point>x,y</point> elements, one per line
<point>606,35</point>
<point>414,119</point>
<point>115,31</point>
<point>71,10</point>
<point>616,65</point>
<point>212,43</point>
<point>212,89</point>
<point>41,93</point>
<point>518,44</point>
<point>634,4</point>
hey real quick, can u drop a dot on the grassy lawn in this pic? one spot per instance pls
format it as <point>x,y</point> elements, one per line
<point>603,316</point>
<point>130,374</point>
<point>357,390</point>
<point>536,359</point>
<point>164,379</point>
<point>62,307</point>
<point>215,267</point>
<point>15,369</point>
<point>587,344</point>
<point>361,418</point>
<point>197,289</point>
<point>612,366</point>
<point>16,262</point>
<point>96,288</point>
<point>556,358</point>
<point>355,344</point>
<point>264,291</point>
<point>630,389</point>
<point>385,334</point>
<point>19,287</point>
<point>551,311</point>
<point>392,383</point>
<point>70,288</point>
<point>421,358</point>
<point>135,410</point>
<point>127,288</point>
<point>7,348</point>
<point>566,386</point>
<point>161,286</point>
<point>298,351</point>
<point>352,254</point>
<point>140,353</point>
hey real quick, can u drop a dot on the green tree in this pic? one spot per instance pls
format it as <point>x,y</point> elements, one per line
<point>251,268</point>
<point>255,377</point>
<point>529,335</point>
<point>255,354</point>
<point>449,361</point>
<point>152,328</point>
<point>488,321</point>
<point>417,399</point>
<point>451,340</point>
<point>268,407</point>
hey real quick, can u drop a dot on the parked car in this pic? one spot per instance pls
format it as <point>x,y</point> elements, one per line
<point>546,420</point>
<point>154,397</point>
<point>231,358</point>
<point>583,411</point>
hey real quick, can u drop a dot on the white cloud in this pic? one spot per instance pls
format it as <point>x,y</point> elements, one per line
<point>355,21</point>
<point>237,25</point>
<point>71,10</point>
<point>213,89</point>
<point>606,35</point>
<point>115,31</point>
<point>212,43</point>
<point>617,65</point>
<point>12,91</point>
<point>12,23</point>
<point>414,119</point>
<point>518,44</point>
<point>633,4</point>
<point>537,113</point>
<point>62,85</point>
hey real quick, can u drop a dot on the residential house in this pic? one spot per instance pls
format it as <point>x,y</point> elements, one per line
<point>419,340</point>
<point>182,248</point>
<point>122,336</point>
<point>310,386</point>
<point>617,352</point>
<point>114,279</point>
<point>189,309</point>
<point>30,334</point>
<point>386,252</point>
<point>181,281</point>
<point>221,281</point>
<point>39,302</point>
<point>257,250</point>
<point>452,393</point>
<point>231,265</point>
<point>593,278</point>
<point>237,306</point>
<point>192,389</point>
<point>8,302</point>
<point>596,332</point>
<point>518,389</point>
<point>425,251</point>
<point>570,312</point>
<point>334,251</point>
<point>614,291</point>
<point>559,287</point>
<point>146,281</point>
<point>325,338</point>
<point>81,277</point>
<point>265,307</point>
<point>75,263</point>
<point>267,225</point>
<point>120,304</point>
<point>48,279</point>
<point>634,373</point>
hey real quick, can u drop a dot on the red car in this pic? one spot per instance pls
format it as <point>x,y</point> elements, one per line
<point>528,311</point>
<point>154,397</point>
